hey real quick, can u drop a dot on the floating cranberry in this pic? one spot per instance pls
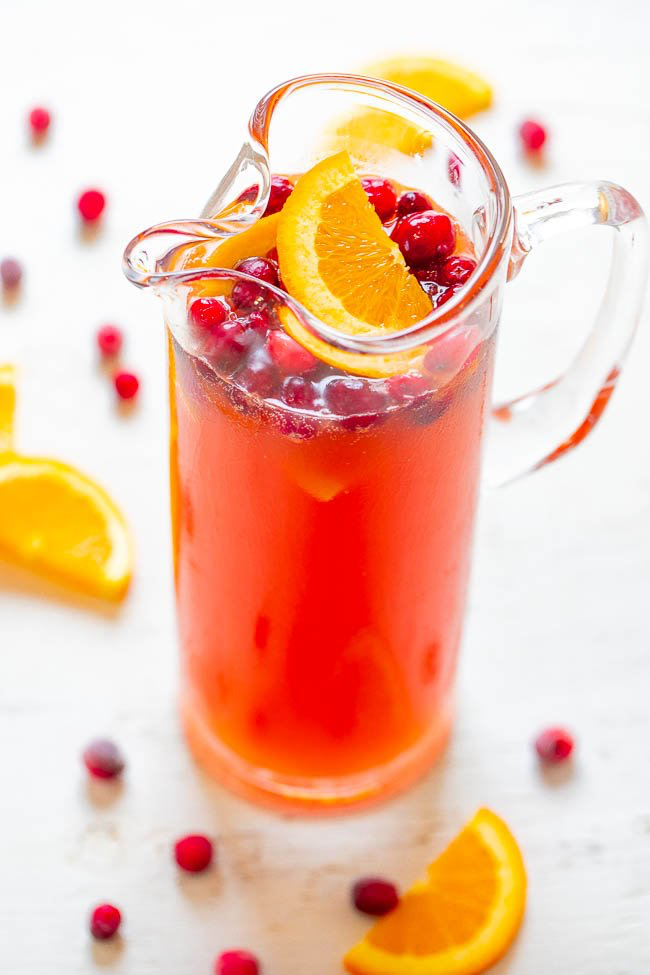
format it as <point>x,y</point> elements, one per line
<point>39,121</point>
<point>446,294</point>
<point>193,853</point>
<point>454,169</point>
<point>103,759</point>
<point>434,290</point>
<point>375,896</point>
<point>236,962</point>
<point>259,320</point>
<point>209,313</point>
<point>382,195</point>
<point>281,190</point>
<point>352,396</point>
<point>532,135</point>
<point>109,341</point>
<point>299,392</point>
<point>247,195</point>
<point>105,921</point>
<point>126,384</point>
<point>289,356</point>
<point>228,343</point>
<point>425,236</point>
<point>457,270</point>
<point>247,294</point>
<point>258,377</point>
<point>11,273</point>
<point>91,205</point>
<point>412,202</point>
<point>296,425</point>
<point>554,745</point>
<point>407,387</point>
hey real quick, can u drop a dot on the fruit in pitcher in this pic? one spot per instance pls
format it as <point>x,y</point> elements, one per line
<point>459,919</point>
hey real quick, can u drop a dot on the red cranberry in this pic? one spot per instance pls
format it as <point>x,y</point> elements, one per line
<point>434,290</point>
<point>247,294</point>
<point>236,962</point>
<point>298,392</point>
<point>450,351</point>
<point>109,340</point>
<point>281,190</point>
<point>228,342</point>
<point>554,745</point>
<point>412,202</point>
<point>273,255</point>
<point>258,377</point>
<point>295,425</point>
<point>375,896</point>
<point>126,384</point>
<point>425,236</point>
<point>258,320</point>
<point>532,135</point>
<point>247,195</point>
<point>407,387</point>
<point>457,270</point>
<point>382,195</point>
<point>104,921</point>
<point>193,853</point>
<point>446,294</point>
<point>39,121</point>
<point>91,205</point>
<point>11,273</point>
<point>289,356</point>
<point>454,169</point>
<point>103,759</point>
<point>209,312</point>
<point>352,396</point>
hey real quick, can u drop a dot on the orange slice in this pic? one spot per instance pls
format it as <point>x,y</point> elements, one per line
<point>56,521</point>
<point>455,88</point>
<point>461,918</point>
<point>7,406</point>
<point>256,241</point>
<point>366,136</point>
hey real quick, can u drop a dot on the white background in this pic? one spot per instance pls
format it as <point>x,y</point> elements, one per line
<point>150,101</point>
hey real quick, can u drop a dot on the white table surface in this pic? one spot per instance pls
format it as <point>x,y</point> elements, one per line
<point>149,102</point>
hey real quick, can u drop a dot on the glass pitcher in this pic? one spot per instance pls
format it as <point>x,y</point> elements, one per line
<point>323,511</point>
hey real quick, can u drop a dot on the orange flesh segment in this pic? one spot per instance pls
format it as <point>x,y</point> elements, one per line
<point>7,406</point>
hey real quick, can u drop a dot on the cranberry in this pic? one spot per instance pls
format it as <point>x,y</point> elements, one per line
<point>407,387</point>
<point>454,169</point>
<point>247,195</point>
<point>289,356</point>
<point>247,294</point>
<point>554,745</point>
<point>428,409</point>
<point>424,236</point>
<point>258,320</point>
<point>228,342</point>
<point>104,921</point>
<point>281,190</point>
<point>445,295</point>
<point>375,896</point>
<point>412,202</point>
<point>352,396</point>
<point>91,205</point>
<point>532,135</point>
<point>39,121</point>
<point>126,384</point>
<point>109,340</point>
<point>450,351</point>
<point>258,377</point>
<point>457,270</point>
<point>209,312</point>
<point>236,962</point>
<point>382,195</point>
<point>193,853</point>
<point>103,759</point>
<point>273,255</point>
<point>11,273</point>
<point>298,392</point>
<point>294,425</point>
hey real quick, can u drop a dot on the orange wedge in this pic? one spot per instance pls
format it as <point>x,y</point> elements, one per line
<point>7,406</point>
<point>455,88</point>
<point>461,918</point>
<point>56,521</point>
<point>366,136</point>
<point>339,263</point>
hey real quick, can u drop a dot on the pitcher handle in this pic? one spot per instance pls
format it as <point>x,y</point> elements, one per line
<point>539,427</point>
